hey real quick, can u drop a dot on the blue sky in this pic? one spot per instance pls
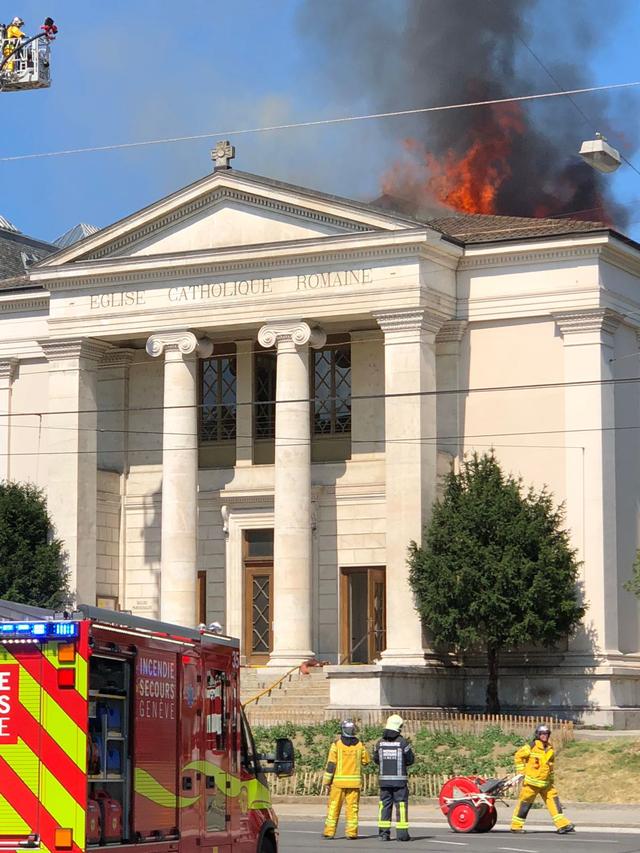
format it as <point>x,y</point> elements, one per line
<point>128,71</point>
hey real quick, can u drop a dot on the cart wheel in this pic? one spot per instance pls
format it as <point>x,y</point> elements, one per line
<point>487,821</point>
<point>463,817</point>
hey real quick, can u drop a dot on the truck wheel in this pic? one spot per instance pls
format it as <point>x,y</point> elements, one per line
<point>267,845</point>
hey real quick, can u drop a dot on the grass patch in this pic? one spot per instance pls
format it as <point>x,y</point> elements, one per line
<point>603,771</point>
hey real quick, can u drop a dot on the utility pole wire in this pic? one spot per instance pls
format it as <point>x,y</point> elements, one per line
<point>319,122</point>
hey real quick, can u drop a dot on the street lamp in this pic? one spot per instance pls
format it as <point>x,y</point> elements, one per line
<point>600,155</point>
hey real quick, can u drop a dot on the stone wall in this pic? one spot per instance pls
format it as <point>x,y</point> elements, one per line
<point>211,557</point>
<point>108,535</point>
<point>141,569</point>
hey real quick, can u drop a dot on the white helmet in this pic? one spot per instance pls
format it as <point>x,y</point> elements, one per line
<point>17,22</point>
<point>394,723</point>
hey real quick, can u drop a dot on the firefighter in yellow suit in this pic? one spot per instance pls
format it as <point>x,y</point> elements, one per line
<point>535,761</point>
<point>13,37</point>
<point>343,779</point>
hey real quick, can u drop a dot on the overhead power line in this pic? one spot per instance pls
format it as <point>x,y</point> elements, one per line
<point>439,441</point>
<point>578,108</point>
<point>318,122</point>
<point>443,392</point>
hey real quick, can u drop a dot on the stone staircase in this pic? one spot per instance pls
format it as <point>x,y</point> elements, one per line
<point>299,698</point>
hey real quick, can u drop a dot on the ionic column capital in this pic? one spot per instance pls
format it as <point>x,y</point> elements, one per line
<point>181,342</point>
<point>64,349</point>
<point>590,320</point>
<point>293,333</point>
<point>8,367</point>
<point>409,320</point>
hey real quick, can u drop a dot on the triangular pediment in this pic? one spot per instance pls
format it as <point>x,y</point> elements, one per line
<point>229,209</point>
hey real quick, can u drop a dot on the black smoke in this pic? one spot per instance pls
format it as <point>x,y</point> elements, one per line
<point>394,54</point>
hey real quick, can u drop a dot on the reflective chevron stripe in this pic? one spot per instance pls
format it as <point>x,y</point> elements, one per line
<point>43,783</point>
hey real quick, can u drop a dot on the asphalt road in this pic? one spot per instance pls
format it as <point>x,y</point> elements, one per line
<point>306,835</point>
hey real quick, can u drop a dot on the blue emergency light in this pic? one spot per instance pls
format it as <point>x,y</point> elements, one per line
<point>38,630</point>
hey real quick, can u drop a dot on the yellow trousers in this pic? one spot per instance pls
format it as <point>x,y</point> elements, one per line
<point>549,797</point>
<point>351,798</point>
<point>8,49</point>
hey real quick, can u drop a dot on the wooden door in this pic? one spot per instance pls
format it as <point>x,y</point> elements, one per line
<point>258,613</point>
<point>362,614</point>
<point>377,618</point>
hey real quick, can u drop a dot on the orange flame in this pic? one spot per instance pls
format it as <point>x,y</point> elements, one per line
<point>469,182</point>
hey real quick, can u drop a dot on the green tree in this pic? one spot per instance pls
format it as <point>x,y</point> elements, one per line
<point>633,584</point>
<point>496,570</point>
<point>31,564</point>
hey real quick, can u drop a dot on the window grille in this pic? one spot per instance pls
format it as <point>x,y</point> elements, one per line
<point>265,394</point>
<point>332,390</point>
<point>218,414</point>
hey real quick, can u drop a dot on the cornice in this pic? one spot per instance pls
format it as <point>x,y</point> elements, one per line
<point>530,256</point>
<point>180,342</point>
<point>118,358</point>
<point>244,499</point>
<point>591,320</point>
<point>453,331</point>
<point>226,194</point>
<point>89,349</point>
<point>8,367</point>
<point>18,304</point>
<point>283,333</point>
<point>219,262</point>
<point>409,320</point>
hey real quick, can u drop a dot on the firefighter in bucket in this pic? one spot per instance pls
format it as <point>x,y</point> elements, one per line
<point>535,761</point>
<point>343,779</point>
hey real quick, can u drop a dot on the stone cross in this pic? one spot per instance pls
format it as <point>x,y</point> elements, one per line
<point>222,154</point>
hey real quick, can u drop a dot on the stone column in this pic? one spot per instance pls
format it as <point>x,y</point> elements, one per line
<point>71,441</point>
<point>448,346</point>
<point>7,373</point>
<point>244,398</point>
<point>179,530</point>
<point>590,468</point>
<point>293,563</point>
<point>410,466</point>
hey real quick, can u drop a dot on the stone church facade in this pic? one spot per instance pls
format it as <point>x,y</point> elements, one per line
<point>138,373</point>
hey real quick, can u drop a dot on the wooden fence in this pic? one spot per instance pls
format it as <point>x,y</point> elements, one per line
<point>309,783</point>
<point>431,721</point>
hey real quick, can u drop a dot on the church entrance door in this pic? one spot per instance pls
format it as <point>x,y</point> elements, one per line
<point>362,614</point>
<point>258,596</point>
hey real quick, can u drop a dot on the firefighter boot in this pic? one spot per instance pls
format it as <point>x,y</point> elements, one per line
<point>565,829</point>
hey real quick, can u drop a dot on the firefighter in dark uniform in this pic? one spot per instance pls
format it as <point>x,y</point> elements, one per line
<point>393,755</point>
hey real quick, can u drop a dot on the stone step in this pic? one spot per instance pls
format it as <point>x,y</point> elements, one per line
<point>271,701</point>
<point>301,696</point>
<point>293,690</point>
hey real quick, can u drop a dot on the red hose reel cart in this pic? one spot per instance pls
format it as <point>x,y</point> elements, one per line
<point>469,802</point>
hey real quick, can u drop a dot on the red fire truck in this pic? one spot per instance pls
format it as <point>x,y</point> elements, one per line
<point>121,731</point>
